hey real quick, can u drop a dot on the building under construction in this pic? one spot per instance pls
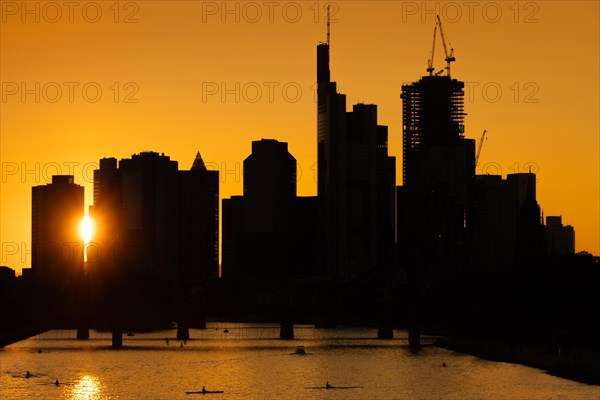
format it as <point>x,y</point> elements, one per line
<point>438,168</point>
<point>432,115</point>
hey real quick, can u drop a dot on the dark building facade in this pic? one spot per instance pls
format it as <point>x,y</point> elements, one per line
<point>198,220</point>
<point>560,238</point>
<point>153,220</point>
<point>432,115</point>
<point>505,222</point>
<point>269,231</point>
<point>356,183</point>
<point>438,169</point>
<point>57,243</point>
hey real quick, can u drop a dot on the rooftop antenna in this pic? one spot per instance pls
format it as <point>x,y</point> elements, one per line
<point>328,24</point>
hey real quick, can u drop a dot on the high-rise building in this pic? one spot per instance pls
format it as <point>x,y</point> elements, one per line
<point>438,168</point>
<point>153,220</point>
<point>267,232</point>
<point>560,238</point>
<point>331,176</point>
<point>531,242</point>
<point>356,181</point>
<point>148,217</point>
<point>432,116</point>
<point>269,186</point>
<point>505,224</point>
<point>57,214</point>
<point>198,220</point>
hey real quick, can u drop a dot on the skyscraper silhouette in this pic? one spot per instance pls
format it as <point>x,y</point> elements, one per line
<point>155,221</point>
<point>198,220</point>
<point>57,244</point>
<point>356,180</point>
<point>505,222</point>
<point>560,238</point>
<point>438,168</point>
<point>263,230</point>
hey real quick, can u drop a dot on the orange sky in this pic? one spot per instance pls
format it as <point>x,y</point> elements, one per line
<point>532,73</point>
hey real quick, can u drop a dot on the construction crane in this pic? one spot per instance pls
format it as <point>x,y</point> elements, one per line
<point>449,55</point>
<point>430,68</point>
<point>479,148</point>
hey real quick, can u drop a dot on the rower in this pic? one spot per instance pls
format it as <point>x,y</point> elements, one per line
<point>28,375</point>
<point>57,382</point>
<point>327,385</point>
<point>203,389</point>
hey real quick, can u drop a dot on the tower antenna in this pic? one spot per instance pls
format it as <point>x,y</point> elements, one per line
<point>328,24</point>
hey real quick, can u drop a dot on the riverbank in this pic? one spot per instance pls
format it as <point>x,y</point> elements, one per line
<point>578,364</point>
<point>17,334</point>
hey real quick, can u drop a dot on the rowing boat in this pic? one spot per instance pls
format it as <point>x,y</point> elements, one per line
<point>333,387</point>
<point>205,392</point>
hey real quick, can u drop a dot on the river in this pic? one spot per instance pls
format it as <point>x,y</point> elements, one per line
<point>248,361</point>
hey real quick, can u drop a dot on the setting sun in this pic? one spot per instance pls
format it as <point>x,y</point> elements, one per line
<point>86,229</point>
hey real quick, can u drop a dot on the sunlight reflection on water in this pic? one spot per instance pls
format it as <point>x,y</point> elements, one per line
<point>86,388</point>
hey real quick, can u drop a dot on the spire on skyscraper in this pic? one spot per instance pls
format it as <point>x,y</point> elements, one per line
<point>328,25</point>
<point>198,164</point>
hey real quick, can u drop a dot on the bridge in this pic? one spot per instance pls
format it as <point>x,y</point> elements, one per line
<point>120,306</point>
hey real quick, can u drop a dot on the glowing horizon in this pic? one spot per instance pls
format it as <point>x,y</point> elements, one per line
<point>179,78</point>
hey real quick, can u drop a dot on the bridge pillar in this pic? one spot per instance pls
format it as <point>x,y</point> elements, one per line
<point>183,332</point>
<point>414,334</point>
<point>117,339</point>
<point>202,321</point>
<point>385,331</point>
<point>83,333</point>
<point>286,331</point>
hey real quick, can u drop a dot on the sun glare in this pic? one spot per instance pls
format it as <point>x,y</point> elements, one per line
<point>86,388</point>
<point>86,229</point>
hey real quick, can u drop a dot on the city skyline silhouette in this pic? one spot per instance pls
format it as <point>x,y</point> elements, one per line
<point>261,177</point>
<point>397,60</point>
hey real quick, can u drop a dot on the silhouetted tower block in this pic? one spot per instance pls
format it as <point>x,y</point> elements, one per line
<point>155,221</point>
<point>57,213</point>
<point>262,231</point>
<point>505,223</point>
<point>198,213</point>
<point>331,156</point>
<point>432,114</point>
<point>269,185</point>
<point>438,168</point>
<point>233,221</point>
<point>303,237</point>
<point>356,181</point>
<point>493,224</point>
<point>531,242</point>
<point>361,190</point>
<point>386,200</point>
<point>148,241</point>
<point>560,238</point>
<point>269,189</point>
<point>106,217</point>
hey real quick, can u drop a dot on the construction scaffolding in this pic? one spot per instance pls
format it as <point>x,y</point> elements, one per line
<point>432,114</point>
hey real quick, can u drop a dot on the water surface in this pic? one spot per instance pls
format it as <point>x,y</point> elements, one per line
<point>249,362</point>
